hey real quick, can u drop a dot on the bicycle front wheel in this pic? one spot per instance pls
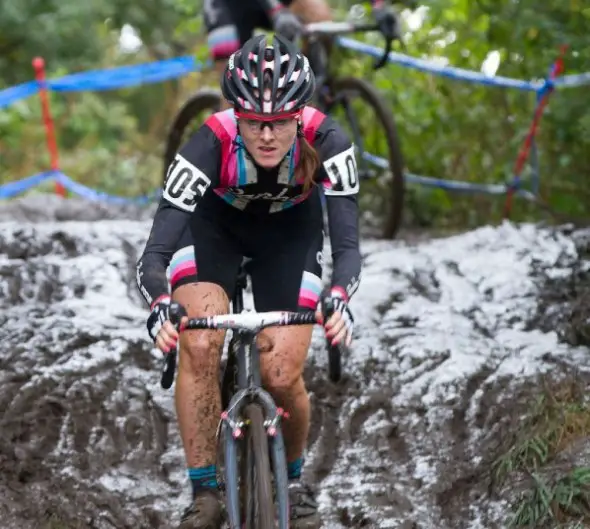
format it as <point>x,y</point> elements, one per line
<point>190,116</point>
<point>256,474</point>
<point>357,106</point>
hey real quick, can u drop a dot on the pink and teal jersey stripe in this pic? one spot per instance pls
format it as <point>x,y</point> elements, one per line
<point>310,290</point>
<point>183,264</point>
<point>223,42</point>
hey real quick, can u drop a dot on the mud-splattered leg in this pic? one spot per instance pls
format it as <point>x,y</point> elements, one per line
<point>198,402</point>
<point>282,359</point>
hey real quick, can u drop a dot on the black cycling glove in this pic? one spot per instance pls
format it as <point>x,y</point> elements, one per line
<point>158,316</point>
<point>340,304</point>
<point>387,21</point>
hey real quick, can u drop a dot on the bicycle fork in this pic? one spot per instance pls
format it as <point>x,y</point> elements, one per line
<point>233,431</point>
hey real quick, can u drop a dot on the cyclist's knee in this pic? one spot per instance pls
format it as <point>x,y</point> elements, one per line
<point>283,382</point>
<point>200,350</point>
<point>282,369</point>
<point>312,10</point>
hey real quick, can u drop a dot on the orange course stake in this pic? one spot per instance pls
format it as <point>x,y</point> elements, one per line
<point>39,66</point>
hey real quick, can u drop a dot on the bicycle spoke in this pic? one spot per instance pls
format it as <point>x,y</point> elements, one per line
<point>357,139</point>
<point>359,108</point>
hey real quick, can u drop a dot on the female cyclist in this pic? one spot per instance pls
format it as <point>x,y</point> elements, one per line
<point>247,183</point>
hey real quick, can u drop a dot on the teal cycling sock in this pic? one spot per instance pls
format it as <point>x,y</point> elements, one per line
<point>203,478</point>
<point>294,468</point>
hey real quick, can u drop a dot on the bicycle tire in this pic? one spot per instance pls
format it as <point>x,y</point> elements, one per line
<point>196,103</point>
<point>259,491</point>
<point>370,95</point>
<point>228,382</point>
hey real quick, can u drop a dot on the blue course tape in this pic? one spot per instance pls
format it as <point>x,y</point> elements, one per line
<point>449,185</point>
<point>469,187</point>
<point>159,71</point>
<point>12,189</point>
<point>155,72</point>
<point>124,76</point>
<point>569,81</point>
<point>15,93</point>
<point>99,196</point>
<point>20,186</point>
<point>445,71</point>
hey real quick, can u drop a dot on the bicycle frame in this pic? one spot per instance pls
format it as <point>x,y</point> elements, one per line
<point>315,34</point>
<point>246,362</point>
<point>325,99</point>
<point>314,31</point>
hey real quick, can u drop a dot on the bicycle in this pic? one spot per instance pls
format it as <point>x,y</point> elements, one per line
<point>332,94</point>
<point>250,426</point>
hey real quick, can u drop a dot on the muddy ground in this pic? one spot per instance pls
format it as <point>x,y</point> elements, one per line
<point>452,337</point>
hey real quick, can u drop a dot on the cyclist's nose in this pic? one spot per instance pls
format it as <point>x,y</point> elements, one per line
<point>266,133</point>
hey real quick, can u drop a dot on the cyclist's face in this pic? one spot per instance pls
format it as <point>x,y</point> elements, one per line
<point>268,138</point>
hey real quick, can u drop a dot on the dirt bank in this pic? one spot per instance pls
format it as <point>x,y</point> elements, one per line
<point>450,346</point>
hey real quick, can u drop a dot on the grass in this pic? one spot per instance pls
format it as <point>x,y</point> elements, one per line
<point>565,500</point>
<point>558,417</point>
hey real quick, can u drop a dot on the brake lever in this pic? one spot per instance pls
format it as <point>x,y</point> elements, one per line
<point>177,312</point>
<point>327,307</point>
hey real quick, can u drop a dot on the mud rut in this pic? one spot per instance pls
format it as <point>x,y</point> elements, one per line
<point>88,438</point>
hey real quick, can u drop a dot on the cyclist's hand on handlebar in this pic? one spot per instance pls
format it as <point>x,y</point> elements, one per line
<point>387,21</point>
<point>340,325</point>
<point>161,329</point>
<point>287,24</point>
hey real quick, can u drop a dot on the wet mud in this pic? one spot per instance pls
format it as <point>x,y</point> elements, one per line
<point>446,357</point>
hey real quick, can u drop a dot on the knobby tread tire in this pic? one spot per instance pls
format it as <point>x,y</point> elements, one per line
<point>259,492</point>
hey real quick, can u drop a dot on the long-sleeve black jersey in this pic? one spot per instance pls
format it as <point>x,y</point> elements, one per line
<point>214,166</point>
